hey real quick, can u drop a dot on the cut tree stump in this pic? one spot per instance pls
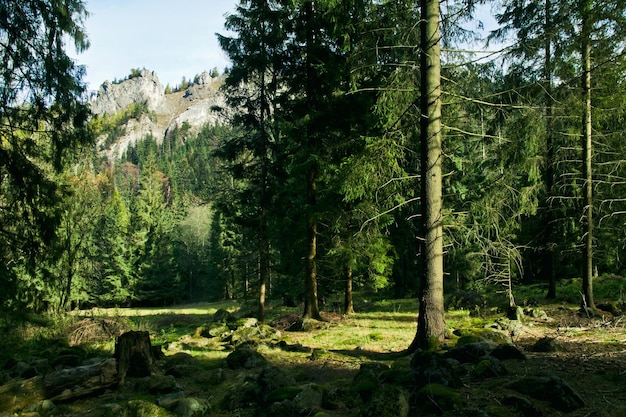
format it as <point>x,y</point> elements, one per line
<point>134,355</point>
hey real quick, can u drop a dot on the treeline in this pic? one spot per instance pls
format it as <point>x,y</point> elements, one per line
<point>317,186</point>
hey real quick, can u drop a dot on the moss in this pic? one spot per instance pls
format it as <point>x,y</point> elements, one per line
<point>283,393</point>
<point>435,398</point>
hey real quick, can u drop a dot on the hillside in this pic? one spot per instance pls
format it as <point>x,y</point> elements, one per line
<point>194,105</point>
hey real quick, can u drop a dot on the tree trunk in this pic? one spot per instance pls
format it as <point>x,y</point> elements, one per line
<point>587,278</point>
<point>431,321</point>
<point>548,218</point>
<point>311,307</point>
<point>134,355</point>
<point>348,305</point>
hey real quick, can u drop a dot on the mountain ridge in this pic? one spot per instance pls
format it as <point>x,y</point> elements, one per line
<point>194,106</point>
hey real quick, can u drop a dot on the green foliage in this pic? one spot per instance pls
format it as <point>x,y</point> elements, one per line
<point>43,114</point>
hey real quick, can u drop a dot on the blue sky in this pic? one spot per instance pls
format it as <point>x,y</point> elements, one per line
<point>172,38</point>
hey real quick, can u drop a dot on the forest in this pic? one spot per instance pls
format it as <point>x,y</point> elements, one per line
<point>374,147</point>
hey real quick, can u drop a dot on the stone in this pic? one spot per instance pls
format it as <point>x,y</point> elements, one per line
<point>432,368</point>
<point>489,367</point>
<point>437,399</point>
<point>284,408</point>
<point>367,380</point>
<point>523,405</point>
<point>245,358</point>
<point>507,351</point>
<point>470,352</point>
<point>141,408</point>
<point>222,316</point>
<point>191,407</point>
<point>545,345</point>
<point>113,97</point>
<point>549,387</point>
<point>387,401</point>
<point>309,399</point>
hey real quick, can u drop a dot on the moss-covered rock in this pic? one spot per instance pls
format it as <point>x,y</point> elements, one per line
<point>547,386</point>
<point>140,408</point>
<point>367,380</point>
<point>387,401</point>
<point>437,399</point>
<point>245,358</point>
<point>489,367</point>
<point>432,368</point>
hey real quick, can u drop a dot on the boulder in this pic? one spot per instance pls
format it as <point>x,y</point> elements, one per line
<point>367,380</point>
<point>387,401</point>
<point>432,368</point>
<point>271,381</point>
<point>470,352</point>
<point>507,351</point>
<point>545,345</point>
<point>437,399</point>
<point>245,358</point>
<point>309,399</point>
<point>141,408</point>
<point>489,367</point>
<point>549,387</point>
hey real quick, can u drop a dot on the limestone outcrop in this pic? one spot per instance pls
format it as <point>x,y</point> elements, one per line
<point>194,107</point>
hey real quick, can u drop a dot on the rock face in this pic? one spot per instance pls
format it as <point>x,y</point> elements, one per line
<point>111,98</point>
<point>192,109</point>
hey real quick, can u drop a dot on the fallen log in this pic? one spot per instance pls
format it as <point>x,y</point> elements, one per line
<point>62,385</point>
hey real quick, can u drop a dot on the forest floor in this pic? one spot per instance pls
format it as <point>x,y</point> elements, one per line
<point>590,354</point>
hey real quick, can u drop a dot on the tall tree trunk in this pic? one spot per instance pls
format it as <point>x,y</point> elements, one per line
<point>264,264</point>
<point>431,321</point>
<point>549,245</point>
<point>587,152</point>
<point>348,305</point>
<point>311,307</point>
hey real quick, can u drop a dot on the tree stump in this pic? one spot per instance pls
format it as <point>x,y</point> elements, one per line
<point>134,356</point>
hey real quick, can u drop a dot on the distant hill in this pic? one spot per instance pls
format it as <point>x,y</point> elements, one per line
<point>195,105</point>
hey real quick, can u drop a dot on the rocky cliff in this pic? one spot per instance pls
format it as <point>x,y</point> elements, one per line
<point>194,106</point>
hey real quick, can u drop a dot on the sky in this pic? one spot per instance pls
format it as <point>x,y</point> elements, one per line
<point>172,38</point>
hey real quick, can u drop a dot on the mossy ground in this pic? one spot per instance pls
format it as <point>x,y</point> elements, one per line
<point>592,357</point>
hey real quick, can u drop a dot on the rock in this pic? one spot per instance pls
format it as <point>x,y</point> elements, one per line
<point>163,384</point>
<point>191,407</point>
<point>437,399</point>
<point>284,408</point>
<point>523,405</point>
<point>489,367</point>
<point>432,368</point>
<point>245,358</point>
<point>546,386</point>
<point>340,398</point>
<point>168,401</point>
<point>508,351</point>
<point>387,401</point>
<point>140,408</point>
<point>271,378</point>
<point>545,345</point>
<point>367,380</point>
<point>222,316</point>
<point>111,98</point>
<point>470,352</point>
<point>241,395</point>
<point>309,399</point>
<point>254,336</point>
